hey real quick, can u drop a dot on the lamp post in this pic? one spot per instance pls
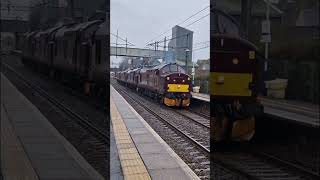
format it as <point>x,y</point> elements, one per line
<point>193,73</point>
<point>187,50</point>
<point>266,37</point>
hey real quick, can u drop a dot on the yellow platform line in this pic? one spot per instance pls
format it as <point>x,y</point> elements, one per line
<point>132,165</point>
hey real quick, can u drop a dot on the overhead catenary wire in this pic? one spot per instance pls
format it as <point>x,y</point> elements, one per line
<point>181,35</point>
<point>171,38</point>
<point>202,42</point>
<point>197,20</point>
<point>193,50</point>
<point>198,44</point>
<point>122,44</point>
<point>179,23</point>
<point>121,38</point>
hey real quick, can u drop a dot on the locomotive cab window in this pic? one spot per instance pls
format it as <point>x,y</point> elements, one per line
<point>165,69</point>
<point>175,68</point>
<point>172,69</point>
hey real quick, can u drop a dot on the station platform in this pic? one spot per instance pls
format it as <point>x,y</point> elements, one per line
<point>299,112</point>
<point>143,154</point>
<point>31,148</point>
<point>201,96</point>
<point>303,113</point>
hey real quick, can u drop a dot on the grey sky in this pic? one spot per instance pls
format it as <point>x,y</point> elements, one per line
<point>142,20</point>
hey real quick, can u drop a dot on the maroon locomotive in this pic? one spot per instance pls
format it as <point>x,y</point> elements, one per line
<point>166,82</point>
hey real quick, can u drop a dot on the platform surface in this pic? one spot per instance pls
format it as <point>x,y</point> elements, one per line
<point>137,141</point>
<point>201,96</point>
<point>31,148</point>
<point>299,112</point>
<point>115,166</point>
<point>303,113</point>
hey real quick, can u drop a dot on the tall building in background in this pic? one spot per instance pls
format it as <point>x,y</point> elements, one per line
<point>180,46</point>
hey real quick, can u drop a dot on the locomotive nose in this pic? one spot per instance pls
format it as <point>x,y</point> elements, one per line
<point>178,83</point>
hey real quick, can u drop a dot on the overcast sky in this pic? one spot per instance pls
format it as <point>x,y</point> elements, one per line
<point>142,20</point>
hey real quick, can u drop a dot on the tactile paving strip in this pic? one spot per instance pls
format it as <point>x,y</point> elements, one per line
<point>132,165</point>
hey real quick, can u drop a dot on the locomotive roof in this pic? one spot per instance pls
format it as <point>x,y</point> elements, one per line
<point>38,34</point>
<point>136,69</point>
<point>160,66</point>
<point>102,31</point>
<point>144,69</point>
<point>75,27</point>
<point>29,34</point>
<point>132,70</point>
<point>124,71</point>
<point>129,70</point>
<point>50,30</point>
<point>82,26</point>
<point>61,31</point>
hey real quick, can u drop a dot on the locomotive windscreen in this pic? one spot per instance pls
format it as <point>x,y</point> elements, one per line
<point>175,68</point>
<point>172,68</point>
<point>224,24</point>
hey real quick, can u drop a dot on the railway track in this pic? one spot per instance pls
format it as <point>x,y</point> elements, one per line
<point>202,121</point>
<point>259,167</point>
<point>156,110</point>
<point>200,112</point>
<point>242,164</point>
<point>194,152</point>
<point>90,140</point>
<point>183,132</point>
<point>306,162</point>
<point>187,151</point>
<point>67,110</point>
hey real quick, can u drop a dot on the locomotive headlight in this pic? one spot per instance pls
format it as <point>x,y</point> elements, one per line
<point>235,60</point>
<point>183,80</point>
<point>220,79</point>
<point>168,78</point>
<point>174,80</point>
<point>188,79</point>
<point>252,54</point>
